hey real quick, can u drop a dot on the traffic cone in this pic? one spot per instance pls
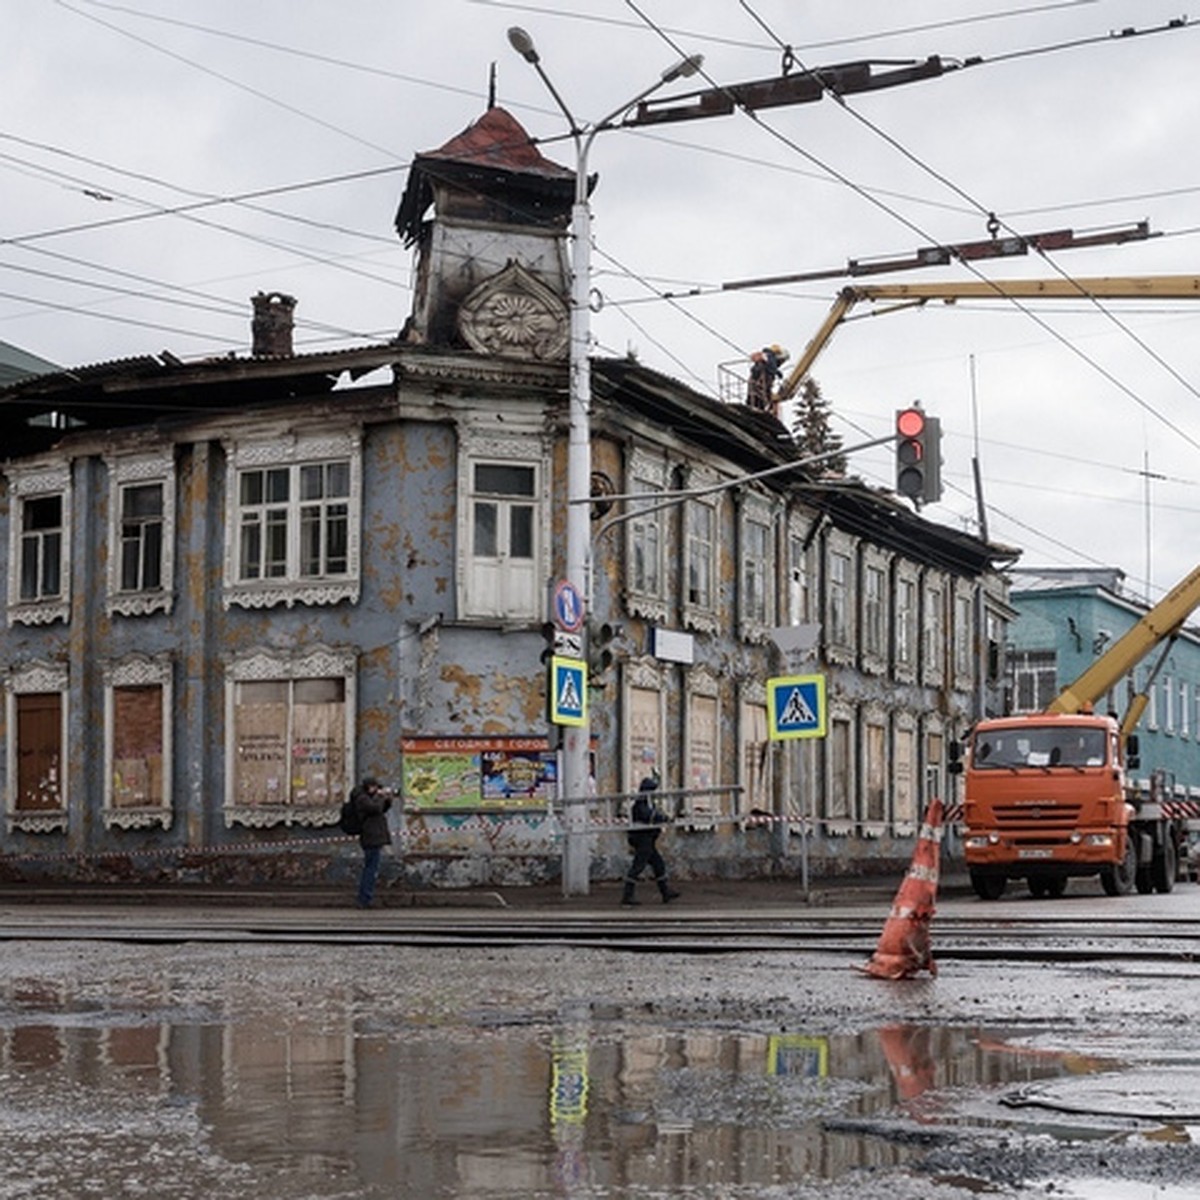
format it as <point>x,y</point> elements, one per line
<point>906,1048</point>
<point>904,946</point>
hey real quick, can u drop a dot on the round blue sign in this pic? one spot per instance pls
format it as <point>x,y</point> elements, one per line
<point>568,607</point>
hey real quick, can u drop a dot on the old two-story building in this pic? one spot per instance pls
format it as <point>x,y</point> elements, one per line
<point>1067,618</point>
<point>233,586</point>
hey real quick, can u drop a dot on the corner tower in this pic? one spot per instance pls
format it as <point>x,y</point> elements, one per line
<point>488,215</point>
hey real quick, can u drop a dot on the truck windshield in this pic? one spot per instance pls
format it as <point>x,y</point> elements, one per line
<point>1061,746</point>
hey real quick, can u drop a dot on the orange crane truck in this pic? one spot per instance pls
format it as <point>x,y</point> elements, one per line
<point>1046,796</point>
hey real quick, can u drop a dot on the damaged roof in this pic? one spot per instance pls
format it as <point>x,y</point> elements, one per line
<point>492,156</point>
<point>36,411</point>
<point>754,440</point>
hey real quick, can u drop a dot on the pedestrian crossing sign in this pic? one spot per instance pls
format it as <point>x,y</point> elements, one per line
<point>796,706</point>
<point>568,691</point>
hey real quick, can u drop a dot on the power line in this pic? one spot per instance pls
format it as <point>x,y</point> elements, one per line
<point>245,87</point>
<point>1128,391</point>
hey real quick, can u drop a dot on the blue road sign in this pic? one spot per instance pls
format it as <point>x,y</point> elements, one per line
<point>568,691</point>
<point>568,607</point>
<point>796,706</point>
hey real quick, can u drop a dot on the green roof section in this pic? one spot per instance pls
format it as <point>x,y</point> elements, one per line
<point>16,364</point>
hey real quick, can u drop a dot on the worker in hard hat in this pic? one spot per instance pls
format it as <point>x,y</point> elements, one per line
<point>765,371</point>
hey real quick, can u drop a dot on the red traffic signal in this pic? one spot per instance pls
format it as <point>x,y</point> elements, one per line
<point>918,455</point>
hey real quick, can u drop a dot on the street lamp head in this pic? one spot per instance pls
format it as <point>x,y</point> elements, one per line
<point>681,70</point>
<point>522,43</point>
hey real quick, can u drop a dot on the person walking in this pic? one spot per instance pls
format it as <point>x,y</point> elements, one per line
<point>646,818</point>
<point>372,803</point>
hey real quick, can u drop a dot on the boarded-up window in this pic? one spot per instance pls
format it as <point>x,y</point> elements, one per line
<point>645,727</point>
<point>839,770</point>
<point>904,773</point>
<point>702,748</point>
<point>39,752</point>
<point>137,746</point>
<point>876,762</point>
<point>290,741</point>
<point>318,739</point>
<point>756,760</point>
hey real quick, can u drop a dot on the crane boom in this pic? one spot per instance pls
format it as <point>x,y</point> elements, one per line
<point>909,295</point>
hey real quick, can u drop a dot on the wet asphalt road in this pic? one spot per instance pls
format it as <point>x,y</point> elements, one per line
<point>1080,1078</point>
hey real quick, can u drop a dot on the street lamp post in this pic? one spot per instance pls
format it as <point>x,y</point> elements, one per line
<point>574,788</point>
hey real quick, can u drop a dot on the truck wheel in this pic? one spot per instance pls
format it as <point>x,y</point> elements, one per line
<point>988,887</point>
<point>1144,880</point>
<point>1119,880</point>
<point>1163,868</point>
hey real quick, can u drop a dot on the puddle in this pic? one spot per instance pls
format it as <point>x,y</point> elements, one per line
<point>194,1103</point>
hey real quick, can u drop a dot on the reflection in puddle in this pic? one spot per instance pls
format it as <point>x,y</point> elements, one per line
<point>591,1105</point>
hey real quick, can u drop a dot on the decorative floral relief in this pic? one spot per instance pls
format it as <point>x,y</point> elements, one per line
<point>514,315</point>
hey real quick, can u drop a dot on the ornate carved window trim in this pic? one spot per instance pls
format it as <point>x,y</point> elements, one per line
<point>270,666</point>
<point>29,483</point>
<point>646,535</point>
<point>293,450</point>
<point>138,670</point>
<point>877,605</point>
<point>841,624</point>
<point>756,582</point>
<point>33,678</point>
<point>699,606</point>
<point>906,621</point>
<point>701,812</point>
<point>644,748</point>
<point>132,470</point>
<point>528,447</point>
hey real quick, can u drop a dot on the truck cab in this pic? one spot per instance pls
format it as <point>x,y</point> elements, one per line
<point>1045,800</point>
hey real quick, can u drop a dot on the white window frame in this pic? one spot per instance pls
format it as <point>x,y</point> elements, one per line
<point>1040,668</point>
<point>907,625</point>
<point>757,574</point>
<point>964,638</point>
<point>800,573</point>
<point>645,539</point>
<point>138,670</point>
<point>700,557</point>
<point>26,484</point>
<point>876,610</point>
<point>933,629</point>
<point>841,598</point>
<point>31,679</point>
<point>293,452</point>
<point>126,472</point>
<point>495,588</point>
<point>268,666</point>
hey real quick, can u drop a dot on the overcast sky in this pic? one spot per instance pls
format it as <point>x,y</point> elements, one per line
<point>160,163</point>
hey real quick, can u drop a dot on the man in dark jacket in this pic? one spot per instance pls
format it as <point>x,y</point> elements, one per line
<point>646,817</point>
<point>372,802</point>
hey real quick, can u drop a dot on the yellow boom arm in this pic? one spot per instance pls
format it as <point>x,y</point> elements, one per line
<point>908,295</point>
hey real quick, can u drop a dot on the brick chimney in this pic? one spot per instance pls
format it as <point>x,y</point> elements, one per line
<point>271,329</point>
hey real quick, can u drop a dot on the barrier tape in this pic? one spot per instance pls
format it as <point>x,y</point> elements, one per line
<point>419,830</point>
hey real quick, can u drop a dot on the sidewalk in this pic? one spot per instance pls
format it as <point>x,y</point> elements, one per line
<point>708,895</point>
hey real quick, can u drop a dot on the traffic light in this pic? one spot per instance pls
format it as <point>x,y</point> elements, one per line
<point>550,637</point>
<point>918,455</point>
<point>602,654</point>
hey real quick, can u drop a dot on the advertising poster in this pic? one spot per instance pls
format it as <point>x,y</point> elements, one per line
<point>499,773</point>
